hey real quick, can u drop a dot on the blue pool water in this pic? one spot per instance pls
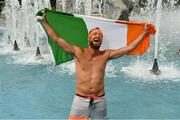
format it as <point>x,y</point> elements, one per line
<point>36,89</point>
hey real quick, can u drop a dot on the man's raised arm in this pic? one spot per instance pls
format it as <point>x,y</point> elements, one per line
<point>57,39</point>
<point>112,54</point>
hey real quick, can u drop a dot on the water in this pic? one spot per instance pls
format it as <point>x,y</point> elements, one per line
<point>33,88</point>
<point>158,18</point>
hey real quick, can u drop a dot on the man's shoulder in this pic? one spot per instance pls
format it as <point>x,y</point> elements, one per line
<point>107,51</point>
<point>104,53</point>
<point>77,48</point>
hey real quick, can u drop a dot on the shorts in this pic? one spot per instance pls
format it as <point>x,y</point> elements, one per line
<point>84,108</point>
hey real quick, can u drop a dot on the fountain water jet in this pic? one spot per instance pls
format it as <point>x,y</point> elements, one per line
<point>155,70</point>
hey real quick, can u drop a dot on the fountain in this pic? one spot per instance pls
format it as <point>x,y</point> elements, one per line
<point>22,29</point>
<point>12,11</point>
<point>22,26</point>
<point>32,87</point>
<point>27,35</point>
<point>16,48</point>
<point>155,70</point>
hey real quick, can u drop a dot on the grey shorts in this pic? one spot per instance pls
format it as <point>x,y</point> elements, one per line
<point>89,108</point>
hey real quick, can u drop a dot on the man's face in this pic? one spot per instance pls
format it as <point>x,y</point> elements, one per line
<point>95,38</point>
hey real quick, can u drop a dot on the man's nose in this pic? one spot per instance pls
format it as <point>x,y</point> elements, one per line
<point>97,35</point>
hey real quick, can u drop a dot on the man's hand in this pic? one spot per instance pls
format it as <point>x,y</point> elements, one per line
<point>41,15</point>
<point>150,29</point>
<point>146,30</point>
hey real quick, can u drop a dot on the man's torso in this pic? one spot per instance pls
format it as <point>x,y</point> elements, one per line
<point>90,70</point>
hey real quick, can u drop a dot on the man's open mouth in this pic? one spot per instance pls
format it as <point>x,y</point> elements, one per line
<point>96,40</point>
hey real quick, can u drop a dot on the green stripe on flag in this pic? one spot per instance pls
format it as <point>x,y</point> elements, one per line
<point>70,28</point>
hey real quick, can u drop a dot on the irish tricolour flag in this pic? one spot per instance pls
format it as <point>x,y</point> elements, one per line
<point>74,29</point>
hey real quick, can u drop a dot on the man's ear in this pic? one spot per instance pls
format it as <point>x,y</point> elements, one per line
<point>88,36</point>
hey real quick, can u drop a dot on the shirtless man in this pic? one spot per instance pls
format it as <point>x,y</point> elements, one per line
<point>89,101</point>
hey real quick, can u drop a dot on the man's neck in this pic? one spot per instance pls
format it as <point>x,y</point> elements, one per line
<point>92,51</point>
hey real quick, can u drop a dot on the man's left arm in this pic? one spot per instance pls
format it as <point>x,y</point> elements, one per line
<point>112,54</point>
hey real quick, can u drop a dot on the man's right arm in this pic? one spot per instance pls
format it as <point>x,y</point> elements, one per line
<point>57,39</point>
<point>122,51</point>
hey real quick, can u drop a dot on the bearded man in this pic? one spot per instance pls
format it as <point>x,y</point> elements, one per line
<point>89,100</point>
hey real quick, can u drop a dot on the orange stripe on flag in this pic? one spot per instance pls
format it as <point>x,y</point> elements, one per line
<point>134,31</point>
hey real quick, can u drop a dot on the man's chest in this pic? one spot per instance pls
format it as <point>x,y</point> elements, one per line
<point>91,62</point>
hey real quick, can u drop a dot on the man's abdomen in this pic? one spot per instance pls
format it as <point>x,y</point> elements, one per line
<point>90,87</point>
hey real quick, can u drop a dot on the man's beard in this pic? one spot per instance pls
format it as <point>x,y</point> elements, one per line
<point>94,46</point>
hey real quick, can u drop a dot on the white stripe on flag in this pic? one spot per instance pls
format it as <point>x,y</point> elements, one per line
<point>115,34</point>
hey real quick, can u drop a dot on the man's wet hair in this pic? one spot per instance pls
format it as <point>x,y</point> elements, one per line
<point>94,29</point>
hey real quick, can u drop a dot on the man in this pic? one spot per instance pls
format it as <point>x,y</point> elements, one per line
<point>89,101</point>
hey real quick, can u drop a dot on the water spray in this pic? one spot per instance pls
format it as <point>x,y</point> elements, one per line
<point>155,69</point>
<point>9,40</point>
<point>36,32</point>
<point>27,42</point>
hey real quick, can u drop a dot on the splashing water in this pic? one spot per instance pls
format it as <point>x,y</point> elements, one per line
<point>21,25</point>
<point>60,5</point>
<point>140,71</point>
<point>168,44</point>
